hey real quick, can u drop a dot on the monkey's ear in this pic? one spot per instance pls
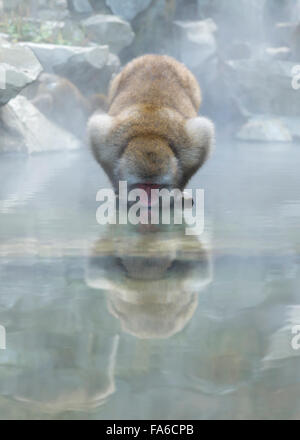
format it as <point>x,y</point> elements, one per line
<point>201,134</point>
<point>99,127</point>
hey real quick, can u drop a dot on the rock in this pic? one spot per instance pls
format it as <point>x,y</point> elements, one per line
<point>203,5</point>
<point>100,6</point>
<point>91,71</point>
<point>108,29</point>
<point>52,55</point>
<point>288,34</point>
<point>278,53</point>
<point>196,41</point>
<point>153,31</point>
<point>59,4</point>
<point>189,10</point>
<point>4,43</point>
<point>55,10</point>
<point>25,129</point>
<point>262,86</point>
<point>4,38</point>
<point>242,20</point>
<point>128,9</point>
<point>280,11</point>
<point>264,129</point>
<point>46,14</point>
<point>197,49</point>
<point>19,68</point>
<point>284,32</point>
<point>89,68</point>
<point>80,6</point>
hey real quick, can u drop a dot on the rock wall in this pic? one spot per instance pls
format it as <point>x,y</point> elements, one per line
<point>245,54</point>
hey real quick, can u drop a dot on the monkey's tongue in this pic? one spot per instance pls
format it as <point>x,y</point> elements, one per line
<point>147,199</point>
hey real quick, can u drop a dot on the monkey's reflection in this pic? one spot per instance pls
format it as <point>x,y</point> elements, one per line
<point>152,276</point>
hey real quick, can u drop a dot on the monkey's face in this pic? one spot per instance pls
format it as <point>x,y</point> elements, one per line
<point>147,162</point>
<point>126,150</point>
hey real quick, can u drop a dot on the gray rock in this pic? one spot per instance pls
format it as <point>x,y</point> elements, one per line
<point>284,32</point>
<point>281,11</point>
<point>100,6</point>
<point>4,38</point>
<point>51,55</point>
<point>19,68</point>
<point>278,53</point>
<point>89,68</point>
<point>242,19</point>
<point>80,6</point>
<point>108,29</point>
<point>264,129</point>
<point>25,129</point>
<point>46,14</point>
<point>49,10</point>
<point>128,9</point>
<point>288,34</point>
<point>91,71</point>
<point>59,4</point>
<point>196,41</point>
<point>153,30</point>
<point>262,86</point>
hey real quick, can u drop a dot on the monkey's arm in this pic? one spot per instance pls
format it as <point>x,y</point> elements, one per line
<point>201,133</point>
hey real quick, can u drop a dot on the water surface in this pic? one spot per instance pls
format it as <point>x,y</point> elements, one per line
<point>110,322</point>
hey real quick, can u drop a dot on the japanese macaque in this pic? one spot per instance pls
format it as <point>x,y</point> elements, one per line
<point>62,102</point>
<point>151,136</point>
<point>152,276</point>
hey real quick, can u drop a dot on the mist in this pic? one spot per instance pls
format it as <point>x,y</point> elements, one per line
<point>144,322</point>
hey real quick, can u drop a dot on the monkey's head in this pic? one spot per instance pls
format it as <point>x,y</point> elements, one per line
<point>148,162</point>
<point>150,153</point>
<point>152,279</point>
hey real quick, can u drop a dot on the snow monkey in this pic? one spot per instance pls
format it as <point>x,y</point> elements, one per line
<point>151,135</point>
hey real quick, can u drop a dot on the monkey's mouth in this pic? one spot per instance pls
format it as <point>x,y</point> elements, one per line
<point>147,197</point>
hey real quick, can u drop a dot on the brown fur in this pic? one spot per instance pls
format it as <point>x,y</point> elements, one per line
<point>151,132</point>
